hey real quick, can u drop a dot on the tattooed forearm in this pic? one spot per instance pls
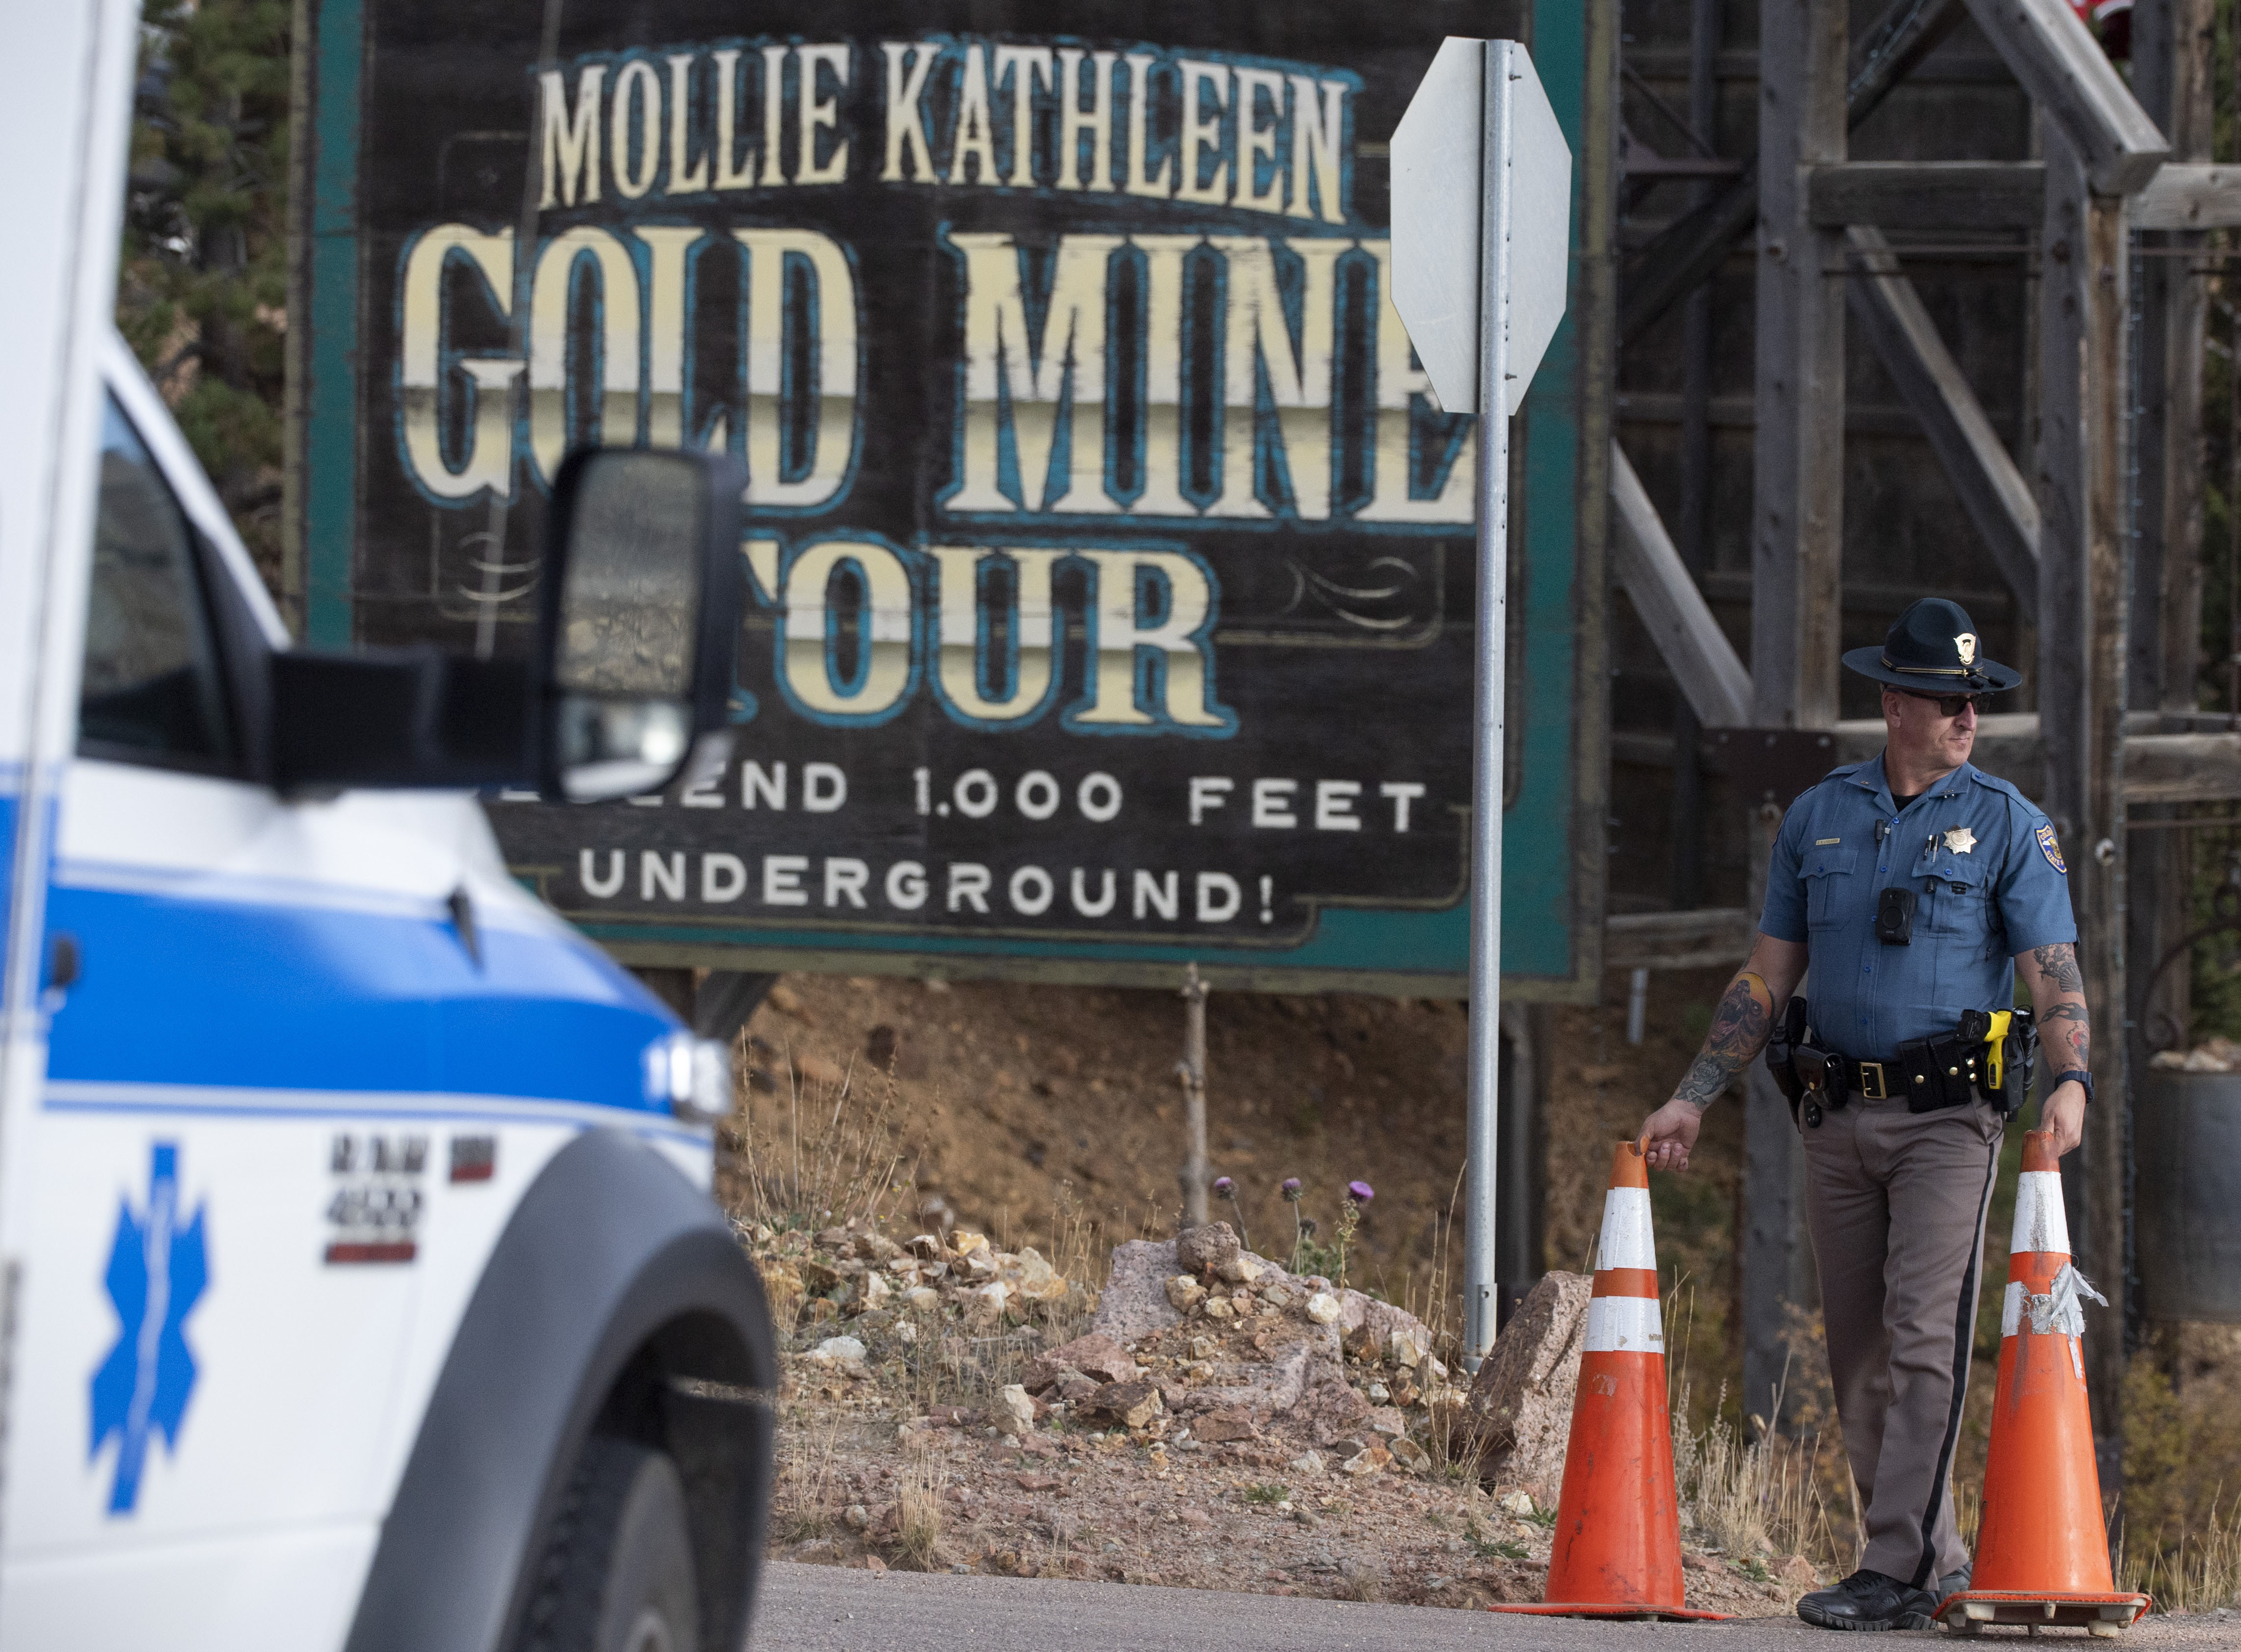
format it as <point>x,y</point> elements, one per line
<point>2064,1028</point>
<point>2058,964</point>
<point>1740,1026</point>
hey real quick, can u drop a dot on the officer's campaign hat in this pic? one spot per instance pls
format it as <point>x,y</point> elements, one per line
<point>1932,649</point>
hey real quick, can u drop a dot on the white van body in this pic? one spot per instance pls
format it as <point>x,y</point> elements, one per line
<point>343,1194</point>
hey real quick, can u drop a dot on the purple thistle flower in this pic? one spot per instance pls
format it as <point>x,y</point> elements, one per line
<point>1291,1190</point>
<point>1224,1187</point>
<point>1360,1192</point>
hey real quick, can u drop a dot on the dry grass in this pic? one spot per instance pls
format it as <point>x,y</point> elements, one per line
<point>918,1513</point>
<point>808,1490</point>
<point>817,1155</point>
<point>2199,1572</point>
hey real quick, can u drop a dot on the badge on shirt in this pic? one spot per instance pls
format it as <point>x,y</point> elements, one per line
<point>1960,840</point>
<point>2051,850</point>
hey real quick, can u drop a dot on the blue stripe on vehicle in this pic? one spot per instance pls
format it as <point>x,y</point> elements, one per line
<point>261,996</point>
<point>179,1101</point>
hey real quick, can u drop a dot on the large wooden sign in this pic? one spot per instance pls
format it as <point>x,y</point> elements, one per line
<point>1111,561</point>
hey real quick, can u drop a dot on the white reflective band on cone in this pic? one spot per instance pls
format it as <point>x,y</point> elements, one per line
<point>1626,1242</point>
<point>2040,1223</point>
<point>1625,1324</point>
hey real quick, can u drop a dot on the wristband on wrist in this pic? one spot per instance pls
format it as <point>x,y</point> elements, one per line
<point>2078,1074</point>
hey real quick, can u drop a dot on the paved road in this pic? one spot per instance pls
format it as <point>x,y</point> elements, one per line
<point>828,1608</point>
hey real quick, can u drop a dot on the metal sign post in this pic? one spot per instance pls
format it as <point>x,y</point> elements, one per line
<point>1481,197</point>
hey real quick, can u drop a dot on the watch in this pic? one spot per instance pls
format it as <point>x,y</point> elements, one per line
<point>2078,1073</point>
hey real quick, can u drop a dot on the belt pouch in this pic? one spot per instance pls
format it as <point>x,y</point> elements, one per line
<point>1820,1075</point>
<point>2020,1055</point>
<point>1939,1071</point>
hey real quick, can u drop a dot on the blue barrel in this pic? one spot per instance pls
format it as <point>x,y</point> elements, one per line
<point>2186,1194</point>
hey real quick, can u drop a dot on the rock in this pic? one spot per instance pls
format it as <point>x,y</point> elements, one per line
<point>965,1241</point>
<point>927,1247</point>
<point>1308,1462</point>
<point>1012,1406</point>
<point>1204,1348</point>
<point>873,1563</point>
<point>1031,1278</point>
<point>1330,1411</point>
<point>1797,1575</point>
<point>1184,1293</point>
<point>784,998</point>
<point>876,1292</point>
<point>1519,1413</point>
<point>1131,1404</point>
<point>988,1300</point>
<point>818,1276</point>
<point>1323,1309</point>
<point>1269,1386</point>
<point>1379,1394</point>
<point>1203,1250</point>
<point>1136,1303</point>
<point>1518,1503</point>
<point>1387,1420</point>
<point>1410,1455</point>
<point>1092,1355</point>
<point>1221,1308</point>
<point>838,1352</point>
<point>858,1517</point>
<point>981,1264</point>
<point>816,1069</point>
<point>1367,1460</point>
<point>1213,1428</point>
<point>1405,1350</point>
<point>1240,1269</point>
<point>922,1298</point>
<point>1075,1388</point>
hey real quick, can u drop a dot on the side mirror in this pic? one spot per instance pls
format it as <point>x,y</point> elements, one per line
<point>641,619</point>
<point>630,683</point>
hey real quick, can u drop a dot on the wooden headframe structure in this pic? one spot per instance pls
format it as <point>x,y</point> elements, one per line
<point>2089,509</point>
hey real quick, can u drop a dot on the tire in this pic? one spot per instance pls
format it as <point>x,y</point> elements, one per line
<point>617,1573</point>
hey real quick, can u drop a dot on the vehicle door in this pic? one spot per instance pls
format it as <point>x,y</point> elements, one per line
<point>235,1130</point>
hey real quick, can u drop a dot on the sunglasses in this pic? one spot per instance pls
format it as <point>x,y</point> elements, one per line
<point>1948,705</point>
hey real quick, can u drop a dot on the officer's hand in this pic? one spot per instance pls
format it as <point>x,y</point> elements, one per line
<point>2064,1112</point>
<point>1668,1133</point>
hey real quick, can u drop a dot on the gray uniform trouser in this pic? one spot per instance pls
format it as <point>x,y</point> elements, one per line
<point>1896,1211</point>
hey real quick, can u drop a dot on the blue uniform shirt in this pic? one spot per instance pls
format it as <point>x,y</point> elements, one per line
<point>1990,878</point>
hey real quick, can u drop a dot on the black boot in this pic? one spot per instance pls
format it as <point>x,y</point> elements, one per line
<point>1869,1600</point>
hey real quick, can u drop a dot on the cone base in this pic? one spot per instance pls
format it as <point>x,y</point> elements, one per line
<point>2096,1613</point>
<point>1635,1610</point>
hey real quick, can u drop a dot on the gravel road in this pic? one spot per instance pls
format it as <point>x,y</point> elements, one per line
<point>831,1609</point>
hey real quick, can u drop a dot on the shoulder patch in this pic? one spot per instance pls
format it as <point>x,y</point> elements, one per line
<point>2050,849</point>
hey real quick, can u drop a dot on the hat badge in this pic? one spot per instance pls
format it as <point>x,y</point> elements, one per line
<point>1965,646</point>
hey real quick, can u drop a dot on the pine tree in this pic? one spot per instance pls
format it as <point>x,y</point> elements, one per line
<point>203,292</point>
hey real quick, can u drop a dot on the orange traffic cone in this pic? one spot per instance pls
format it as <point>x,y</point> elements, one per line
<point>1616,1549</point>
<point>2042,1554</point>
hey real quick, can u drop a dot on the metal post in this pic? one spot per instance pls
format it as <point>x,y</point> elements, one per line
<point>1192,1071</point>
<point>1479,1262</point>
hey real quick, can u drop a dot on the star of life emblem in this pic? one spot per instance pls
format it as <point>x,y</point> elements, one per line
<point>1965,646</point>
<point>1960,840</point>
<point>158,1269</point>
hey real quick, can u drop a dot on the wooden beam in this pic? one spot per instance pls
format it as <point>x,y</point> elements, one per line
<point>2075,86</point>
<point>1709,938</point>
<point>1688,253</point>
<point>1993,491</point>
<point>1798,448</point>
<point>2083,378</point>
<point>2173,45</point>
<point>1672,610</point>
<point>2189,195</point>
<point>1930,195</point>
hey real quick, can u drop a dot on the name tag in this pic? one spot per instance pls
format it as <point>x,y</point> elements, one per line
<point>1822,843</point>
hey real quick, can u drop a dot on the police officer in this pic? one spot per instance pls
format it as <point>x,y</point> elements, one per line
<point>1910,882</point>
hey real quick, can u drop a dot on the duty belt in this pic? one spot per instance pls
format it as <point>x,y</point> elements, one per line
<point>1842,1076</point>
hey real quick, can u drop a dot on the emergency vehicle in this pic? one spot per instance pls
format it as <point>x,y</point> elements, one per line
<point>359,1281</point>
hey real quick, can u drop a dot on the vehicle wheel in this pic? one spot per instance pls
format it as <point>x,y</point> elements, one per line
<point>617,1573</point>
